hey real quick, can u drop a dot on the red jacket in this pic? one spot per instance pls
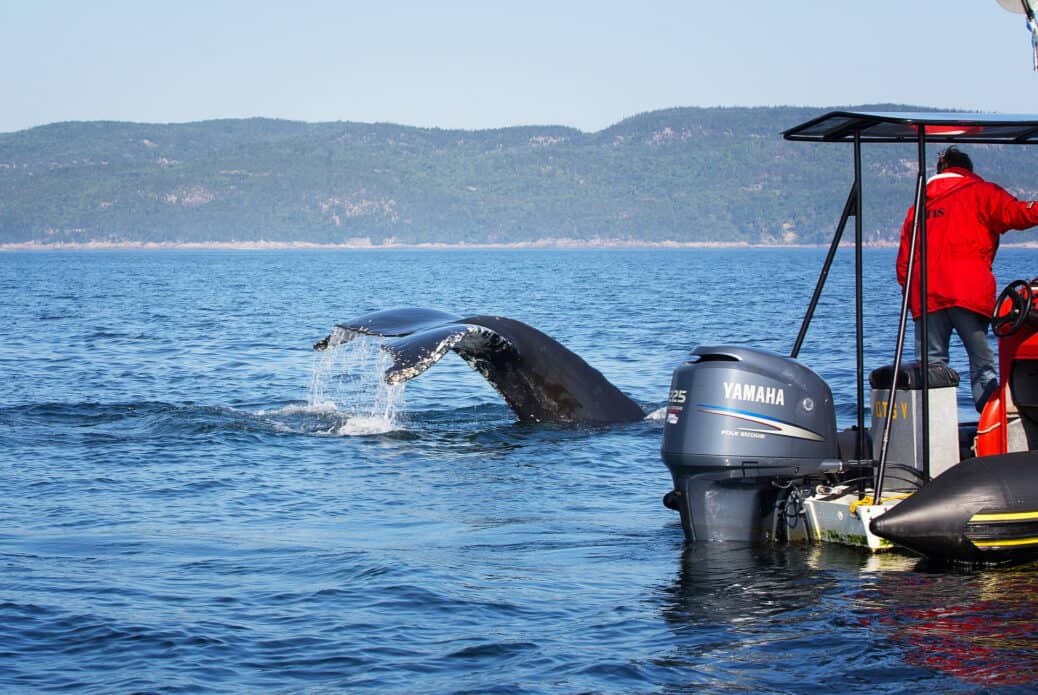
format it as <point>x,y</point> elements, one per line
<point>965,216</point>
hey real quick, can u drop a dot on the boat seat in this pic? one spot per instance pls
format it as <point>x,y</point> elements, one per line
<point>910,376</point>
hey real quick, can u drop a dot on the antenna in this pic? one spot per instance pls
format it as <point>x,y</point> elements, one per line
<point>1024,7</point>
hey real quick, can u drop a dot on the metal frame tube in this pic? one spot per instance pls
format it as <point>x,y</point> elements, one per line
<point>853,207</point>
<point>859,451</point>
<point>918,236</point>
<point>925,307</point>
<point>849,208</point>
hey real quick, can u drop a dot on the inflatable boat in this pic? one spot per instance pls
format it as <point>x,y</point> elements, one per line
<point>750,437</point>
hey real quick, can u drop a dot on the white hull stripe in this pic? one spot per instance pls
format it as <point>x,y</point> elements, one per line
<point>783,429</point>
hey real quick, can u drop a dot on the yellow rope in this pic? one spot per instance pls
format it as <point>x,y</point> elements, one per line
<point>867,500</point>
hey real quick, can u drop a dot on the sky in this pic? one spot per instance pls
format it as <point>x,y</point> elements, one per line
<point>477,65</point>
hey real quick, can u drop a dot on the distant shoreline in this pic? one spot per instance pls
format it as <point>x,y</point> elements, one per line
<point>557,244</point>
<point>297,245</point>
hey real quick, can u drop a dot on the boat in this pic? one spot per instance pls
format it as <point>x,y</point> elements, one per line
<point>750,436</point>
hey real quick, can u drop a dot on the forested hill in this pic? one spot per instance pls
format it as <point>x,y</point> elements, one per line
<point>683,175</point>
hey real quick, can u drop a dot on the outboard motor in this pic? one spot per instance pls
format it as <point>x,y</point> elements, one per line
<point>741,422</point>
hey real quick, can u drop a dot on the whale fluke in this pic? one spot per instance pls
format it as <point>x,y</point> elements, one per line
<point>389,323</point>
<point>415,353</point>
<point>541,380</point>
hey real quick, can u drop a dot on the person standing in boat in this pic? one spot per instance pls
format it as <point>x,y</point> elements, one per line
<point>965,217</point>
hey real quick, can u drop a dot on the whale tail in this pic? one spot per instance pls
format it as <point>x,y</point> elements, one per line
<point>541,380</point>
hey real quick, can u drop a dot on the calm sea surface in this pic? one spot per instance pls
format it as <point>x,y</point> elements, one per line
<point>195,501</point>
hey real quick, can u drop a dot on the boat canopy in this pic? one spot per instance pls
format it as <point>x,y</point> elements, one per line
<point>938,126</point>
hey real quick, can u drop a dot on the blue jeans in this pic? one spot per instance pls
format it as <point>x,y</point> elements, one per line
<point>973,331</point>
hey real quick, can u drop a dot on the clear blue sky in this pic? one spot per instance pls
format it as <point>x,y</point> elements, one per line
<point>490,64</point>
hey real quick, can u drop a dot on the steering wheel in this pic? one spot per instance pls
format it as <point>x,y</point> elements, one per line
<point>1006,323</point>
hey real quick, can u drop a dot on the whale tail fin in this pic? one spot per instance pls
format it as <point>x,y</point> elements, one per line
<point>390,323</point>
<point>541,380</point>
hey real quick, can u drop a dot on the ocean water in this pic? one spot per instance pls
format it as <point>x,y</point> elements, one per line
<point>195,501</point>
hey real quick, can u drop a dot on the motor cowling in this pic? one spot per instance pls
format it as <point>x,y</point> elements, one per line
<point>739,419</point>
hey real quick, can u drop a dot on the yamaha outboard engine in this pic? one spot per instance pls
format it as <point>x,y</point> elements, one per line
<point>740,423</point>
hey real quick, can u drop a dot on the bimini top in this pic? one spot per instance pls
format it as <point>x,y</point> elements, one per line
<point>940,127</point>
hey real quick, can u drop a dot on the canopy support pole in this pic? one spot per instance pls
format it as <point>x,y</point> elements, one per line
<point>849,208</point>
<point>918,237</point>
<point>859,451</point>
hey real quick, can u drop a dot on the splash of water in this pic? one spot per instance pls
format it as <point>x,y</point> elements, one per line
<point>658,415</point>
<point>348,380</point>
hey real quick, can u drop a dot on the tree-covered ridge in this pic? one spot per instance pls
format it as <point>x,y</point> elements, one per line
<point>683,175</point>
